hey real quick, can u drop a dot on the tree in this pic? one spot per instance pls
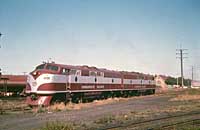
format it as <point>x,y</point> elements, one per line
<point>173,81</point>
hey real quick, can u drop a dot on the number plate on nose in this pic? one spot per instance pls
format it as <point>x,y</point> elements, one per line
<point>34,84</point>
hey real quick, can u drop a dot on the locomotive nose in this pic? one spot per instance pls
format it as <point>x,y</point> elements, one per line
<point>36,73</point>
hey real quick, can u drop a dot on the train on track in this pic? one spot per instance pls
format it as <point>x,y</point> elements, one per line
<point>51,82</point>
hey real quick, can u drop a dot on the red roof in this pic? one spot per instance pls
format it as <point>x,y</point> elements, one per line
<point>14,79</point>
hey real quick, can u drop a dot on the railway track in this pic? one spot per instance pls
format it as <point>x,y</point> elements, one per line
<point>194,122</point>
<point>167,122</point>
<point>17,109</point>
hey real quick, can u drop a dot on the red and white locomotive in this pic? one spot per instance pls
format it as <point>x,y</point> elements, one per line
<point>51,82</point>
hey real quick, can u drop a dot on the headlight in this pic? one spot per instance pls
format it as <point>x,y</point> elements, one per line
<point>35,73</point>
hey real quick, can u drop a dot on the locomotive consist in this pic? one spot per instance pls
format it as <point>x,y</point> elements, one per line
<point>51,82</point>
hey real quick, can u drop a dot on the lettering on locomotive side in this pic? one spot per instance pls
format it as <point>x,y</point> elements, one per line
<point>100,87</point>
<point>46,78</point>
<point>139,86</point>
<point>88,87</point>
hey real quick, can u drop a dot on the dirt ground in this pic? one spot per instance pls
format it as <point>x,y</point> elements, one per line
<point>99,113</point>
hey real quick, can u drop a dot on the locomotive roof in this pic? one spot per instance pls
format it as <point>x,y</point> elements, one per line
<point>92,68</point>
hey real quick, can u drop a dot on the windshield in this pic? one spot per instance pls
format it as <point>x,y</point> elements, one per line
<point>40,67</point>
<point>52,67</point>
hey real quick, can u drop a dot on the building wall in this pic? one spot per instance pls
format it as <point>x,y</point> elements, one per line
<point>195,84</point>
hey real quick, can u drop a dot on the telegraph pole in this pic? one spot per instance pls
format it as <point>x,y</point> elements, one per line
<point>192,73</point>
<point>192,76</point>
<point>0,47</point>
<point>0,37</point>
<point>181,54</point>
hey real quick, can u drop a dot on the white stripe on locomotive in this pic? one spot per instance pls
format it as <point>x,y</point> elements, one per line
<point>56,78</point>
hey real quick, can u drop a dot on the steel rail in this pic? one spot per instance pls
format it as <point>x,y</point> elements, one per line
<point>179,123</point>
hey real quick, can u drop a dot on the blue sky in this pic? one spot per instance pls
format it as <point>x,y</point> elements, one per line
<point>133,35</point>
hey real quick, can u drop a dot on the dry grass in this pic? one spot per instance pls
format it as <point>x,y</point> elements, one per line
<point>58,107</point>
<point>12,106</point>
<point>186,97</point>
<point>57,126</point>
<point>147,114</point>
<point>73,106</point>
<point>178,108</point>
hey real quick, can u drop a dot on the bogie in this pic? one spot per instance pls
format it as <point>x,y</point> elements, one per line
<point>86,97</point>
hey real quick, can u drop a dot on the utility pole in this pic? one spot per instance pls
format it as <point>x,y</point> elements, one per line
<point>0,37</point>
<point>192,76</point>
<point>0,47</point>
<point>192,73</point>
<point>181,54</point>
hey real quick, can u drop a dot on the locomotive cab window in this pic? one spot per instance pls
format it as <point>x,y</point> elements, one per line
<point>40,67</point>
<point>52,67</point>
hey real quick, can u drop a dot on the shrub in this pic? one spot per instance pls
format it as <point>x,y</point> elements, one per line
<point>57,126</point>
<point>105,120</point>
<point>41,109</point>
